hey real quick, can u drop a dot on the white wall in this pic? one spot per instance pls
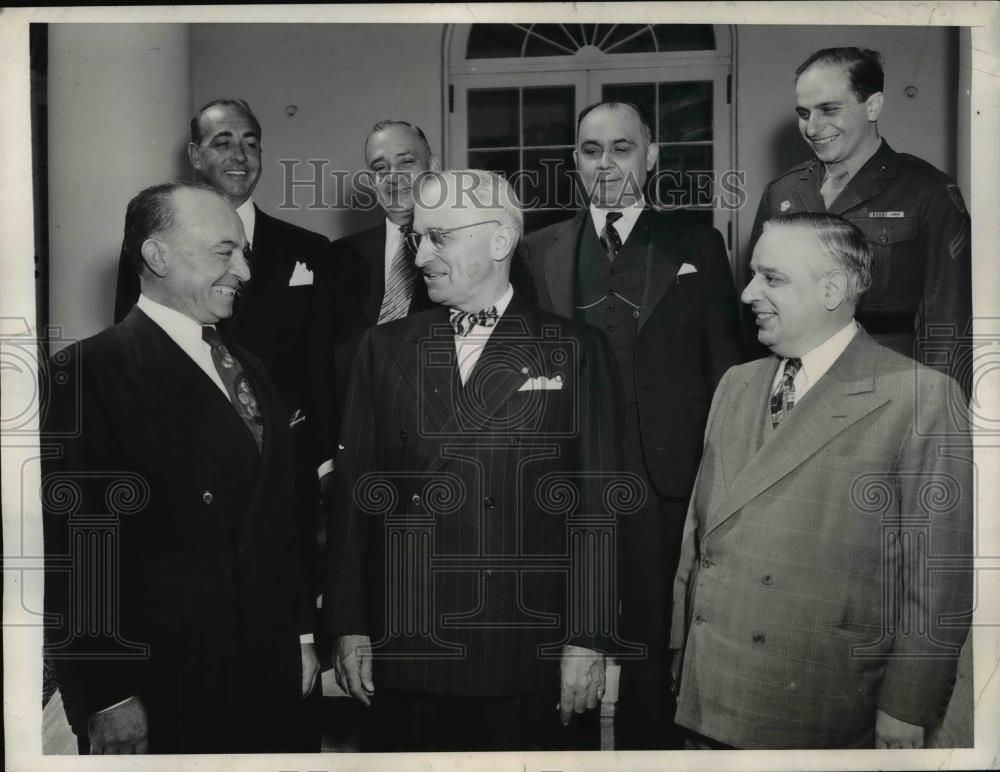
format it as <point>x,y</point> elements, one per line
<point>342,77</point>
<point>767,137</point>
<point>116,96</point>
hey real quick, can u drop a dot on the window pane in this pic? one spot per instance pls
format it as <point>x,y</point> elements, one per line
<point>642,94</point>
<point>549,115</point>
<point>685,37</point>
<point>539,46</point>
<point>487,41</point>
<point>549,178</point>
<point>555,34</point>
<point>684,177</point>
<point>624,40</point>
<point>505,162</point>
<point>685,112</point>
<point>493,118</point>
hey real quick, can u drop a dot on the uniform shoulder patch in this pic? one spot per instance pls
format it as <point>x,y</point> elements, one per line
<point>956,197</point>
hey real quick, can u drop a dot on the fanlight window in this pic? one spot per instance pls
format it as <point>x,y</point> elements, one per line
<point>505,41</point>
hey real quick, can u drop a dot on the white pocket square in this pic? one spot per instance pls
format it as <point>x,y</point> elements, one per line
<point>687,268</point>
<point>541,383</point>
<point>301,276</point>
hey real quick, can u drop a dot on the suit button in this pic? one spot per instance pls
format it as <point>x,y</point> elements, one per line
<point>758,638</point>
<point>489,502</point>
<point>487,575</point>
<point>697,619</point>
<point>883,238</point>
<point>403,435</point>
<point>613,271</point>
<point>766,579</point>
<point>207,497</point>
<point>514,440</point>
<point>415,500</point>
<point>706,563</point>
<point>611,328</point>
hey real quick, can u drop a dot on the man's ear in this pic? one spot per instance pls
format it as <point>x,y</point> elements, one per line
<point>835,289</point>
<point>194,156</point>
<point>434,164</point>
<point>652,154</point>
<point>873,105</point>
<point>154,256</point>
<point>502,243</point>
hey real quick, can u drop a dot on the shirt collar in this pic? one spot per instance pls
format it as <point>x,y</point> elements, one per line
<point>630,215</point>
<point>854,164</point>
<point>248,216</point>
<point>182,330</point>
<point>501,306</point>
<point>820,359</point>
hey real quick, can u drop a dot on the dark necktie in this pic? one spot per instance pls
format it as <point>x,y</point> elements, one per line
<point>610,239</point>
<point>832,186</point>
<point>399,282</point>
<point>783,398</point>
<point>237,384</point>
<point>462,322</point>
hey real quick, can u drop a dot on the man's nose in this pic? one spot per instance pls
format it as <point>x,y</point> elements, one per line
<point>424,253</point>
<point>606,162</point>
<point>750,293</point>
<point>239,267</point>
<point>239,153</point>
<point>812,125</point>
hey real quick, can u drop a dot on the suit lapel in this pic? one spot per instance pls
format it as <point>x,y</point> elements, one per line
<point>425,355</point>
<point>372,247</point>
<point>268,405</point>
<point>181,388</point>
<point>842,397</point>
<point>747,414</point>
<point>560,263</point>
<point>807,197</point>
<point>662,262</point>
<point>870,180</point>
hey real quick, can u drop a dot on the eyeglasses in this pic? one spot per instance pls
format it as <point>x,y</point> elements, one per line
<point>437,235</point>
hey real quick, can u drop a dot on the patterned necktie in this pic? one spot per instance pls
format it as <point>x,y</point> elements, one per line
<point>399,282</point>
<point>462,322</point>
<point>832,186</point>
<point>783,398</point>
<point>237,384</point>
<point>610,239</point>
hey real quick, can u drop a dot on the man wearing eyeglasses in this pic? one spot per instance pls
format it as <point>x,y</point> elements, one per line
<point>660,288</point>
<point>479,437</point>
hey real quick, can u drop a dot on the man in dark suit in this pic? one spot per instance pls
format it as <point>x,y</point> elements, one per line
<point>180,617</point>
<point>912,214</point>
<point>825,584</point>
<point>277,317</point>
<point>662,290</point>
<point>478,441</point>
<point>373,279</point>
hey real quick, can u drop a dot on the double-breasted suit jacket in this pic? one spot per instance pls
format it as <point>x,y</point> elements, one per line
<point>465,513</point>
<point>173,568</point>
<point>826,564</point>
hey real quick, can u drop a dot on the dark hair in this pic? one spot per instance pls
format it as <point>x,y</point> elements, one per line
<point>239,104</point>
<point>842,241</point>
<point>647,124</point>
<point>382,125</point>
<point>151,211</point>
<point>864,68</point>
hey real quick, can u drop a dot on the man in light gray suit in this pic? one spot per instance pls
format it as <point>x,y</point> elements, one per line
<point>824,587</point>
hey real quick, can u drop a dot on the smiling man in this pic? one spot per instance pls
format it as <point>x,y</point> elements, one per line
<point>912,214</point>
<point>452,569</point>
<point>660,288</point>
<point>805,604</point>
<point>179,453</point>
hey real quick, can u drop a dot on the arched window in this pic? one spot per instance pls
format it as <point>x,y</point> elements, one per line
<point>514,91</point>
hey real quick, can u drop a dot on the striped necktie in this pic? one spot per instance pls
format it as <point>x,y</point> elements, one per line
<point>399,281</point>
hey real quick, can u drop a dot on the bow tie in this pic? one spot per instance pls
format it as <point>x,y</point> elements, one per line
<point>462,322</point>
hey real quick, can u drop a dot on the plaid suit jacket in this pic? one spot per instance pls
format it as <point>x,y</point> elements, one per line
<point>826,565</point>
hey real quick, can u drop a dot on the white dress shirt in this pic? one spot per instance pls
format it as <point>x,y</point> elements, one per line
<point>468,348</point>
<point>817,362</point>
<point>248,216</point>
<point>624,226</point>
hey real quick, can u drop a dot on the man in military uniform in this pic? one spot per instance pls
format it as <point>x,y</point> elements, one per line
<point>911,212</point>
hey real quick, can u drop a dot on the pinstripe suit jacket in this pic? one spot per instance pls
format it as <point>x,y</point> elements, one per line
<point>456,503</point>
<point>825,566</point>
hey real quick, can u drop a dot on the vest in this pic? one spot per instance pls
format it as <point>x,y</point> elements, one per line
<point>598,279</point>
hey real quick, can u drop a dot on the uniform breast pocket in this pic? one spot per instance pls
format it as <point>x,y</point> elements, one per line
<point>897,268</point>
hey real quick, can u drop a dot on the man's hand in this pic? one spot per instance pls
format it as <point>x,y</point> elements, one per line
<point>310,667</point>
<point>891,732</point>
<point>352,666</point>
<point>582,677</point>
<point>676,662</point>
<point>123,729</point>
